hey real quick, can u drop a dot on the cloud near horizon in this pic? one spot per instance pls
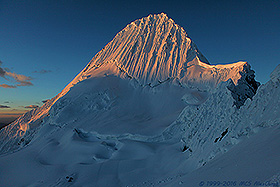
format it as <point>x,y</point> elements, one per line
<point>4,106</point>
<point>31,106</point>
<point>21,80</point>
<point>7,86</point>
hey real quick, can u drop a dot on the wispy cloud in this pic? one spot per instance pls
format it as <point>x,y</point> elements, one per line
<point>7,86</point>
<point>31,106</point>
<point>4,106</point>
<point>21,80</point>
<point>43,71</point>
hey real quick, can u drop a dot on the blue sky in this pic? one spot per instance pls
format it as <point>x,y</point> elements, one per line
<point>51,41</point>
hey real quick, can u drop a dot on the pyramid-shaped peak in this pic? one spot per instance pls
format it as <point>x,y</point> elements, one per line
<point>150,49</point>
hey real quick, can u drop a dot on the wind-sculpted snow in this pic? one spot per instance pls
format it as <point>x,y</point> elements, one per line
<point>146,110</point>
<point>215,126</point>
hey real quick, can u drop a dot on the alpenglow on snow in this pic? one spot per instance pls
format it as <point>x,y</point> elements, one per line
<point>148,107</point>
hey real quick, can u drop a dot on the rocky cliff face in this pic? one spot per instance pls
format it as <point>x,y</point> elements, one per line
<point>246,86</point>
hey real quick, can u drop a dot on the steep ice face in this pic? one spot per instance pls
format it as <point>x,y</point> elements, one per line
<point>150,49</point>
<point>155,49</point>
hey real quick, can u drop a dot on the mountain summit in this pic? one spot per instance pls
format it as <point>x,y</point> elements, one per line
<point>149,49</point>
<point>155,49</point>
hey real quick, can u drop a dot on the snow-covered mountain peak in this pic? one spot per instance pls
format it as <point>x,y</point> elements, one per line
<point>148,52</point>
<point>150,49</point>
<point>154,49</point>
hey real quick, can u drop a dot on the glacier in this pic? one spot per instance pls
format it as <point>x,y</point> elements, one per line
<point>148,110</point>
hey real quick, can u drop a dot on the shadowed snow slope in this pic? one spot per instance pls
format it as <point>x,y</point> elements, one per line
<point>147,108</point>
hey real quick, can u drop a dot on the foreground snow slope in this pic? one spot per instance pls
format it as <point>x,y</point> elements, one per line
<point>148,108</point>
<point>68,150</point>
<point>254,128</point>
<point>253,162</point>
<point>103,137</point>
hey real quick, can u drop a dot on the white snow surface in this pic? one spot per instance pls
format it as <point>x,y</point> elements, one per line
<point>275,75</point>
<point>148,110</point>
